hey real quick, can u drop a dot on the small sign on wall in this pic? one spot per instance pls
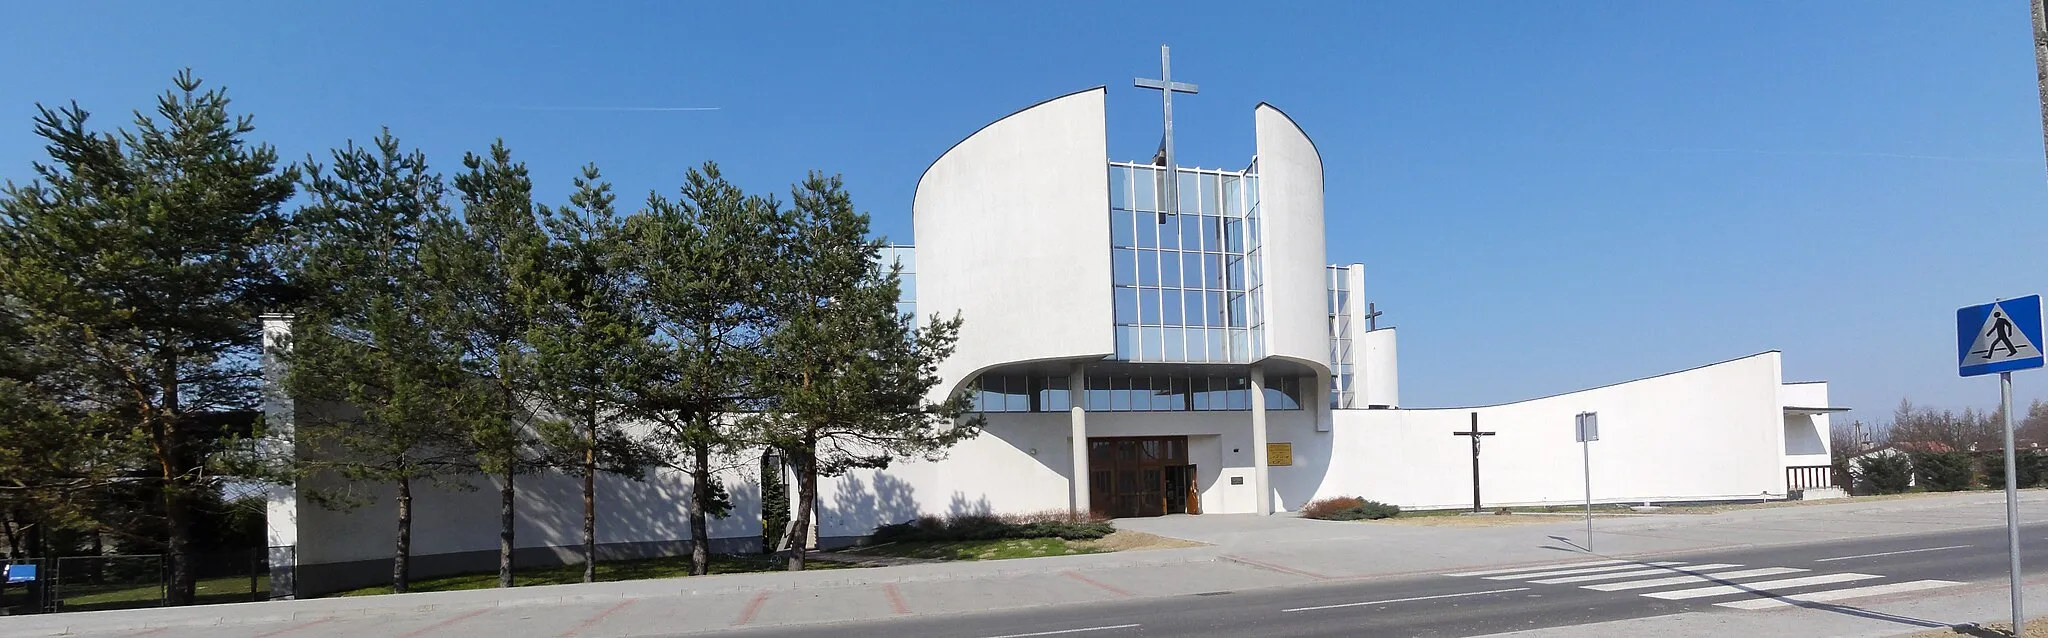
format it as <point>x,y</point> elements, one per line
<point>1279,454</point>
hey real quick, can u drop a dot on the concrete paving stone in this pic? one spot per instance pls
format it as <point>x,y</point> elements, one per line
<point>835,604</point>
<point>667,615</point>
<point>1020,591</point>
<point>1178,580</point>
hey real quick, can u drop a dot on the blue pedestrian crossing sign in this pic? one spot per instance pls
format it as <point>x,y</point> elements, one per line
<point>1999,337</point>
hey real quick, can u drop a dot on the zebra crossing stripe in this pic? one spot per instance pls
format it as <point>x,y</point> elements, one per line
<point>1583,570</point>
<point>1838,594</point>
<point>1510,570</point>
<point>1759,589</point>
<point>1667,571</point>
<point>1702,578</point>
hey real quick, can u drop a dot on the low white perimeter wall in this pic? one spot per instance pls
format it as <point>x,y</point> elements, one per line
<point>1021,464</point>
<point>456,530</point>
<point>1714,432</point>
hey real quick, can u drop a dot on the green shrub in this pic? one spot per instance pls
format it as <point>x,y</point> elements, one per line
<point>1944,471</point>
<point>983,527</point>
<point>2033,467</point>
<point>1885,473</point>
<point>1348,508</point>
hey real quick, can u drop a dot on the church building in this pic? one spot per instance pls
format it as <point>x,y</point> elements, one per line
<point>1144,338</point>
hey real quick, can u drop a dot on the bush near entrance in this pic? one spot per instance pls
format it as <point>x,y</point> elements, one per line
<point>979,527</point>
<point>2033,467</point>
<point>1348,508</point>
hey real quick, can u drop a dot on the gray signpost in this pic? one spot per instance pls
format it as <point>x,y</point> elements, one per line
<point>1588,432</point>
<point>2001,337</point>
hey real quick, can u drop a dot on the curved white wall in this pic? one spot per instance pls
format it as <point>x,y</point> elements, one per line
<point>1291,212</point>
<point>1012,231</point>
<point>1714,432</point>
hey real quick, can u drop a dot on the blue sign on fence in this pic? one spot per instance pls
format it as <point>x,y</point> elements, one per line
<point>20,573</point>
<point>1999,337</point>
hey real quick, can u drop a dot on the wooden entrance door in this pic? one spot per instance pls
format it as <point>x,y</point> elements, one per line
<point>1129,476</point>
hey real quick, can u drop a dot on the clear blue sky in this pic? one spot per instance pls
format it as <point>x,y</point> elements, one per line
<point>1546,196</point>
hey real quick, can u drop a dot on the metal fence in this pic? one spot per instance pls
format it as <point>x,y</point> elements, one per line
<point>94,583</point>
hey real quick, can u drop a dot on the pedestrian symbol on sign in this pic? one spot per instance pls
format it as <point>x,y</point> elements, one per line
<point>2002,329</point>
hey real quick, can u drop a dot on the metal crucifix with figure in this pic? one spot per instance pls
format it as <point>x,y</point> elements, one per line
<point>1170,203</point>
<point>1475,434</point>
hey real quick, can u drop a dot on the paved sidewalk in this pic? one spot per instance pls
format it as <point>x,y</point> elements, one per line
<point>1246,552</point>
<point>1898,615</point>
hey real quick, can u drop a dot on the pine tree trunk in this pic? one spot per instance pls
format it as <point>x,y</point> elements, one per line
<point>590,501</point>
<point>700,532</point>
<point>13,537</point>
<point>505,531</point>
<point>797,539</point>
<point>178,511</point>
<point>401,557</point>
<point>177,496</point>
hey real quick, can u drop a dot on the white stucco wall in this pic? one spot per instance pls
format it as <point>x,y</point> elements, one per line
<point>1706,433</point>
<point>999,472</point>
<point>1806,435</point>
<point>1377,355</point>
<point>548,514</point>
<point>1013,233</point>
<point>1291,235</point>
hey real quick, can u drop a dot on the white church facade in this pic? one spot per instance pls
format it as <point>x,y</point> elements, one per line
<point>1142,342</point>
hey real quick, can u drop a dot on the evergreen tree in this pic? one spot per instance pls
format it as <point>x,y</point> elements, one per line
<point>589,347</point>
<point>704,263</point>
<point>145,255</point>
<point>362,338</point>
<point>850,377</point>
<point>488,270</point>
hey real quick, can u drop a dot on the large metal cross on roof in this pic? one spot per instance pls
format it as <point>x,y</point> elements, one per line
<point>1170,203</point>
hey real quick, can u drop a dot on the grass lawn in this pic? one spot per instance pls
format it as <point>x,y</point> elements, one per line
<point>979,550</point>
<point>670,567</point>
<point>231,589</point>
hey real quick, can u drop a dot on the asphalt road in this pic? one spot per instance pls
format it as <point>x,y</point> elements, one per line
<point>1478,604</point>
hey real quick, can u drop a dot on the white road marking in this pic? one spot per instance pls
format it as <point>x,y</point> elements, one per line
<point>1839,594</point>
<point>1907,551</point>
<point>1754,588</point>
<point>1681,580</point>
<point>1668,571</point>
<point>1406,600</point>
<point>1583,570</point>
<point>1491,572</point>
<point>1066,631</point>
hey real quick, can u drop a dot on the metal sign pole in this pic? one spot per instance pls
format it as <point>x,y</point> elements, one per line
<point>1586,447</point>
<point>2012,504</point>
<point>2003,336</point>
<point>1588,432</point>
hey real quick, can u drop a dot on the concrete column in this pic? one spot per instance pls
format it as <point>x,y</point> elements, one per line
<point>1261,472</point>
<point>280,415</point>
<point>1077,401</point>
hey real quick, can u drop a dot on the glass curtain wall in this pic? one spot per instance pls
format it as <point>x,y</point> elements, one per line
<point>906,298</point>
<point>1130,393</point>
<point>1187,282</point>
<point>1342,389</point>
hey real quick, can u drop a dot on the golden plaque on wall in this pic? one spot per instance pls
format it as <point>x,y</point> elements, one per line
<point>1279,454</point>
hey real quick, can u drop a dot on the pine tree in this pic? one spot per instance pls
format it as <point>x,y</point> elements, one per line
<point>146,255</point>
<point>704,263</point>
<point>849,377</point>
<point>489,269</point>
<point>362,338</point>
<point>589,347</point>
